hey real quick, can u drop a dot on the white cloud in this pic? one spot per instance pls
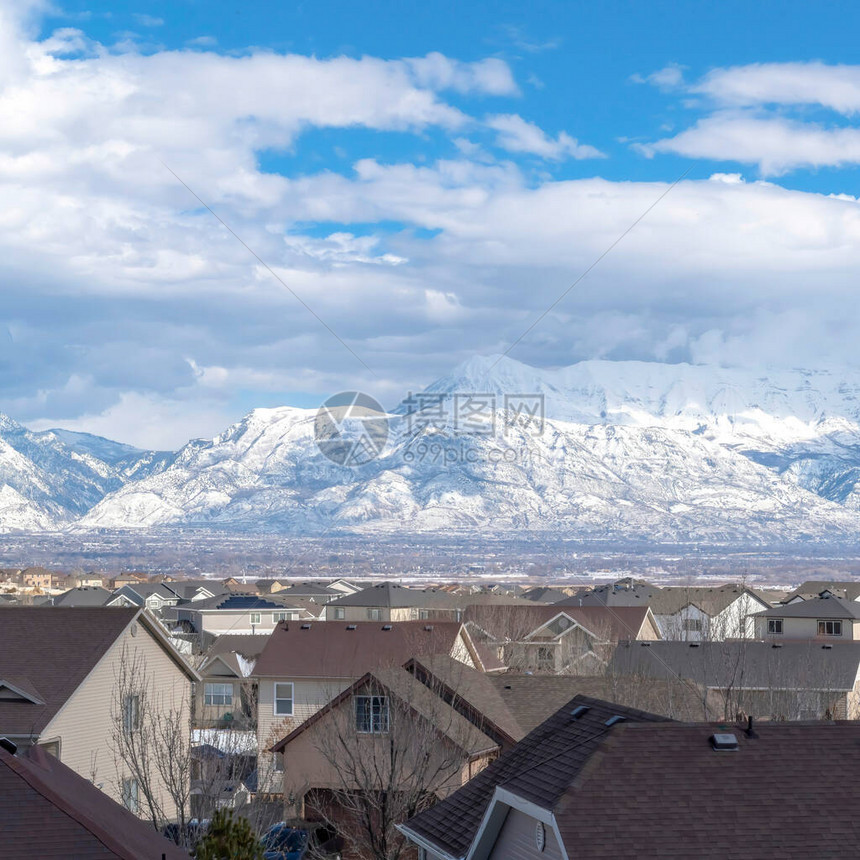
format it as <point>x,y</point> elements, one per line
<point>518,135</point>
<point>814,83</point>
<point>776,144</point>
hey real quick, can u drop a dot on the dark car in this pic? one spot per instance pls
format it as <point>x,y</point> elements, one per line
<point>284,842</point>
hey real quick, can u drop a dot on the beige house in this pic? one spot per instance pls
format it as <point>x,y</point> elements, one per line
<point>828,617</point>
<point>305,665</point>
<point>240,614</point>
<point>60,673</point>
<point>226,697</point>
<point>390,602</point>
<point>559,639</point>
<point>387,732</point>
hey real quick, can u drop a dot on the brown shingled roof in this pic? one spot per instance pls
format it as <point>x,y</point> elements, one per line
<point>54,648</point>
<point>49,811</point>
<point>337,649</point>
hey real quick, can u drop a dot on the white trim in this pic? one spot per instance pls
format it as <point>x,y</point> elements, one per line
<point>30,697</point>
<point>501,802</point>
<point>275,686</point>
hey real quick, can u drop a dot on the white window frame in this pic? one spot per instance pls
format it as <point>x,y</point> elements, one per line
<point>379,720</point>
<point>824,622</point>
<point>210,694</point>
<point>374,614</point>
<point>256,618</point>
<point>276,698</point>
<point>280,615</point>
<point>131,794</point>
<point>339,613</point>
<point>131,713</point>
<point>772,624</point>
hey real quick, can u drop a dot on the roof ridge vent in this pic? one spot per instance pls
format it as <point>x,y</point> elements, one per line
<point>694,644</point>
<point>579,711</point>
<point>350,627</point>
<point>827,647</point>
<point>614,720</point>
<point>386,627</point>
<point>428,627</point>
<point>306,626</point>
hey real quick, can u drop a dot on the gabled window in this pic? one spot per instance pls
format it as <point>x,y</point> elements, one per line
<point>131,713</point>
<point>829,628</point>
<point>284,700</point>
<point>774,625</point>
<point>218,694</point>
<point>131,795</point>
<point>693,624</point>
<point>371,714</point>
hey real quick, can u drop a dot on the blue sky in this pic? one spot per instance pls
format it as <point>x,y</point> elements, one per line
<point>427,181</point>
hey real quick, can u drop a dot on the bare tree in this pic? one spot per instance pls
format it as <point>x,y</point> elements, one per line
<point>385,750</point>
<point>151,744</point>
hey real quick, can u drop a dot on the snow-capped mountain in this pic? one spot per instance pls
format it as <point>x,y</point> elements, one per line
<point>617,451</point>
<point>50,478</point>
<point>627,451</point>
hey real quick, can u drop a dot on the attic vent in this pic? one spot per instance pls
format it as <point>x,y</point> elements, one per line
<point>614,719</point>
<point>10,746</point>
<point>386,627</point>
<point>724,741</point>
<point>428,627</point>
<point>508,687</point>
<point>827,647</point>
<point>579,711</point>
<point>694,644</point>
<point>645,644</point>
<point>350,627</point>
<point>306,626</point>
<point>776,645</point>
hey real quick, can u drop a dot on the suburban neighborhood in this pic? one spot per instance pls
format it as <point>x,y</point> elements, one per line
<point>362,716</point>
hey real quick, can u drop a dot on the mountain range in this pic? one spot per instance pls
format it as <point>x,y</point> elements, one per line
<point>615,451</point>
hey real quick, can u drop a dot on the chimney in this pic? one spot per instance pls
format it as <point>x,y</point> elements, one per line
<point>750,731</point>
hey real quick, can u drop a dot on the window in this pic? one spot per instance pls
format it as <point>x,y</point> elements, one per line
<point>829,628</point>
<point>130,794</point>
<point>283,700</point>
<point>774,625</point>
<point>693,624</point>
<point>131,713</point>
<point>371,714</point>
<point>339,613</point>
<point>374,615</point>
<point>423,614</point>
<point>218,694</point>
<point>546,658</point>
<point>255,618</point>
<point>279,616</point>
<point>278,762</point>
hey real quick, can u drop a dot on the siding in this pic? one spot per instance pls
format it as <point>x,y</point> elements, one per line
<point>84,725</point>
<point>516,839</point>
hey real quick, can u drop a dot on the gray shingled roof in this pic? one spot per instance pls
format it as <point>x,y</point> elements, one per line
<point>539,768</point>
<point>399,596</point>
<point>816,607</point>
<point>87,595</point>
<point>798,664</point>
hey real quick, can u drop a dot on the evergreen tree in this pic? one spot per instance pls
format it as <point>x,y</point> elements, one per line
<point>229,838</point>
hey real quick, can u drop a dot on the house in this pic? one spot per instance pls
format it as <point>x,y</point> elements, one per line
<point>598,781</point>
<point>827,617</point>
<point>390,602</point>
<point>240,614</point>
<point>313,591</point>
<point>154,596</point>
<point>555,639</point>
<point>382,732</point>
<point>60,689</point>
<point>39,577</point>
<point>49,811</point>
<point>127,579</point>
<point>84,595</point>
<point>344,586</point>
<point>688,613</point>
<point>813,588</point>
<point>303,666</point>
<point>227,694</point>
<point>84,580</point>
<point>197,589</point>
<point>789,680</point>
